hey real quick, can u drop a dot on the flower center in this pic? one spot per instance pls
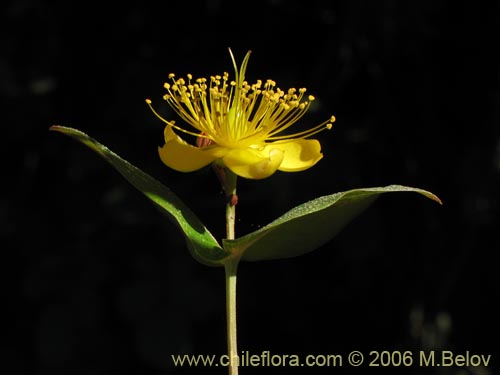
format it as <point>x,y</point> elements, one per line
<point>235,114</point>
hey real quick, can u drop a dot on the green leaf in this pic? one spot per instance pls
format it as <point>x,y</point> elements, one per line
<point>201,243</point>
<point>310,225</point>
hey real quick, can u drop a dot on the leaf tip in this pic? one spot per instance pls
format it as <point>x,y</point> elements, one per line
<point>60,129</point>
<point>436,199</point>
<point>432,196</point>
<point>423,192</point>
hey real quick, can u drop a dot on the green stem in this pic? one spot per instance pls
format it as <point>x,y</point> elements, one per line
<point>232,343</point>
<point>231,267</point>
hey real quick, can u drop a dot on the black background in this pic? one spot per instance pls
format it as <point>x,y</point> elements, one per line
<point>98,282</point>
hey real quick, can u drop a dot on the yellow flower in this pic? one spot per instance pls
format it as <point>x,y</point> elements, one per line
<point>238,125</point>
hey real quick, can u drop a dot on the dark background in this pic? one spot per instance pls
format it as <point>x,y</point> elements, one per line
<point>98,282</point>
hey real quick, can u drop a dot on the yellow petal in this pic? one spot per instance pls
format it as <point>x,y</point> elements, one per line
<point>299,154</point>
<point>254,164</point>
<point>181,156</point>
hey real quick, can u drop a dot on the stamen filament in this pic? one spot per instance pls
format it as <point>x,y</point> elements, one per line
<point>172,124</point>
<point>327,125</point>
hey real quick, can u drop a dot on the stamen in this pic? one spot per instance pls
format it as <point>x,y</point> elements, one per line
<point>172,123</point>
<point>327,125</point>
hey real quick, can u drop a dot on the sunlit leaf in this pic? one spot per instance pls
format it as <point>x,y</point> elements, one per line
<point>201,243</point>
<point>310,225</point>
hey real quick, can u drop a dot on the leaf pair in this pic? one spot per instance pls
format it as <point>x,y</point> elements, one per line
<point>299,231</point>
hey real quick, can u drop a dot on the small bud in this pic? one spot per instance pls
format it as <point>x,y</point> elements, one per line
<point>233,200</point>
<point>203,141</point>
